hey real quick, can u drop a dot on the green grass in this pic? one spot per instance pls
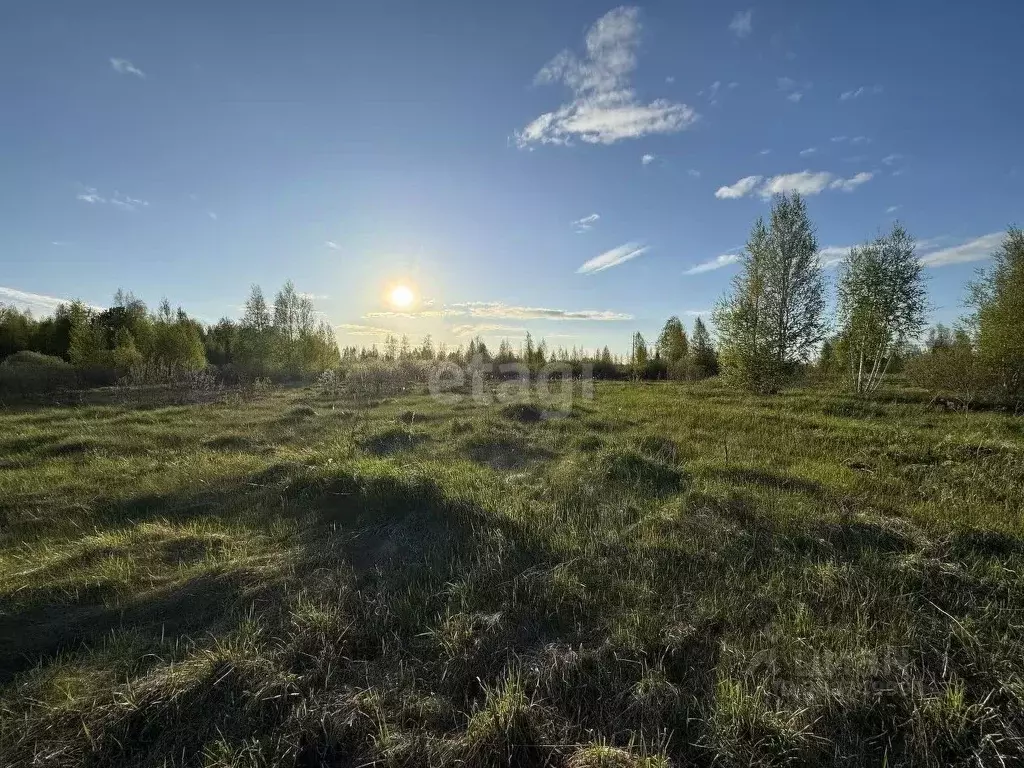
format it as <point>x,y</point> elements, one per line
<point>671,575</point>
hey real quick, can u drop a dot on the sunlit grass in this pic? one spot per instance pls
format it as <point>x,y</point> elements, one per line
<point>672,573</point>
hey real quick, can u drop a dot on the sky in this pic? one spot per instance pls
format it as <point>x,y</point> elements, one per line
<point>577,169</point>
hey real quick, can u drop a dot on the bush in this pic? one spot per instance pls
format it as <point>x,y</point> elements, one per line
<point>955,371</point>
<point>26,373</point>
<point>373,378</point>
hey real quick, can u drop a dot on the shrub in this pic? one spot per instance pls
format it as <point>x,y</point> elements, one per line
<point>26,373</point>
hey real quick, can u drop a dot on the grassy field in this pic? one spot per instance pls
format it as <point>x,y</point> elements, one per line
<point>671,575</point>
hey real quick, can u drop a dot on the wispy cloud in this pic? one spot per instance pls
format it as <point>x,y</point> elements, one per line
<point>831,255</point>
<point>794,90</point>
<point>718,262</point>
<point>741,188</point>
<point>212,215</point>
<point>892,209</point>
<point>332,245</point>
<point>742,24</point>
<point>895,157</point>
<point>838,139</point>
<point>698,312</point>
<point>978,249</point>
<point>804,182</point>
<point>39,303</point>
<point>486,329</point>
<point>604,108</point>
<point>856,93</point>
<point>354,329</point>
<point>496,310</point>
<point>127,203</point>
<point>124,202</point>
<point>850,184</point>
<point>808,152</point>
<point>694,173</point>
<point>90,196</point>
<point>612,258</point>
<point>585,224</point>
<point>647,159</point>
<point>765,152</point>
<point>125,67</point>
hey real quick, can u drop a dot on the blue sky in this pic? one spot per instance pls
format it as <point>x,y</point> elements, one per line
<point>578,169</point>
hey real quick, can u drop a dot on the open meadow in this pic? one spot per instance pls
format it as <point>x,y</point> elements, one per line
<point>672,574</point>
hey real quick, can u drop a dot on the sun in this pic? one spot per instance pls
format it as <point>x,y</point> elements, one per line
<point>401,296</point>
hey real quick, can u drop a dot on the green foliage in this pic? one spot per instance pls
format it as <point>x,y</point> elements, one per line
<point>773,318</point>
<point>26,373</point>
<point>882,302</point>
<point>998,301</point>
<point>673,345</point>
<point>951,367</point>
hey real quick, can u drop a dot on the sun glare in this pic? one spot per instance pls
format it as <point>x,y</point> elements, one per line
<point>401,296</point>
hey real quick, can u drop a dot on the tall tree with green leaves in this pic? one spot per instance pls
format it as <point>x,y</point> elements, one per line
<point>703,358</point>
<point>673,345</point>
<point>998,301</point>
<point>882,305</point>
<point>774,317</point>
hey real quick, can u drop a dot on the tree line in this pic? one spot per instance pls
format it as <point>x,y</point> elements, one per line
<point>771,327</point>
<point>282,339</point>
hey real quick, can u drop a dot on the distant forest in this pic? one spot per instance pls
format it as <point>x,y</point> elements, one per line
<point>771,329</point>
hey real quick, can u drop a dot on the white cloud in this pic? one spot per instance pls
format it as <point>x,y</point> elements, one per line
<point>838,139</point>
<point>612,258</point>
<point>741,188</point>
<point>892,209</point>
<point>90,196</point>
<point>670,79</point>
<point>795,88</point>
<point>647,159</point>
<point>496,310</point>
<point>604,108</point>
<point>804,182</point>
<point>718,262</point>
<point>742,24</point>
<point>125,67</point>
<point>698,312</point>
<point>807,152</point>
<point>212,215</point>
<point>765,152</point>
<point>585,224</point>
<point>353,329</point>
<point>860,140</point>
<point>832,255</point>
<point>850,184</point>
<point>890,159</point>
<point>124,202</point>
<point>694,173</point>
<point>714,89</point>
<point>40,304</point>
<point>486,329</point>
<point>861,91</point>
<point>978,249</point>
<point>332,245</point>
<point>734,84</point>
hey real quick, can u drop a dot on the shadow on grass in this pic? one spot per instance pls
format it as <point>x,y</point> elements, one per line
<point>766,478</point>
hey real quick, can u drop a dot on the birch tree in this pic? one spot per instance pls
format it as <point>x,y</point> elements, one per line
<point>774,316</point>
<point>882,304</point>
